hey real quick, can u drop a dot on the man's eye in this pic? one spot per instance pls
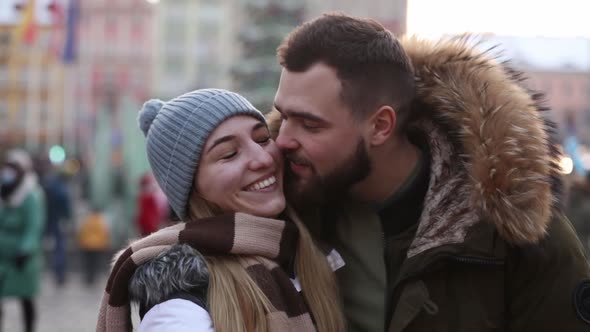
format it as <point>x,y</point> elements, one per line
<point>310,125</point>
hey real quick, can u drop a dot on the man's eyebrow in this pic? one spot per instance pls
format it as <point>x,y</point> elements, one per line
<point>221,140</point>
<point>300,114</point>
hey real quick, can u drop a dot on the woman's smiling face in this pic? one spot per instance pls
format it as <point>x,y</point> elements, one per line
<point>241,169</point>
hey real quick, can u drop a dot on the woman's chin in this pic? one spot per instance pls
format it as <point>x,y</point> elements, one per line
<point>270,209</point>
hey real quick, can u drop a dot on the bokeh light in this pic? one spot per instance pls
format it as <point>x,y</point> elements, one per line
<point>57,154</point>
<point>567,165</point>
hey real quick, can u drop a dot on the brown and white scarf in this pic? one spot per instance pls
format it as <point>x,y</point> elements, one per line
<point>270,242</point>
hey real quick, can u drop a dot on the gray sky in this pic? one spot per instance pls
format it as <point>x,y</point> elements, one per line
<point>546,53</point>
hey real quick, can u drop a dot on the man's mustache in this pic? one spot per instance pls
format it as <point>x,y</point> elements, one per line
<point>297,159</point>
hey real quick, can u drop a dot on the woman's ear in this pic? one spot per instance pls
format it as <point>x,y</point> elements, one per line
<point>383,124</point>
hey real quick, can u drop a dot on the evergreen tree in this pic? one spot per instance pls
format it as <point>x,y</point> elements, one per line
<point>267,23</point>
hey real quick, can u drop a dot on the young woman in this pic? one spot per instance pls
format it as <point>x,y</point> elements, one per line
<point>211,152</point>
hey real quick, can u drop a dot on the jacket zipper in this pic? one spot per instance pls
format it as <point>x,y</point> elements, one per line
<point>477,260</point>
<point>387,285</point>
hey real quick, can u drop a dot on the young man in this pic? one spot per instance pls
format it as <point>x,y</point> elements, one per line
<point>436,180</point>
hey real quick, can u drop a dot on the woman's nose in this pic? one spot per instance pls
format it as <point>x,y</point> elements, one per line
<point>260,158</point>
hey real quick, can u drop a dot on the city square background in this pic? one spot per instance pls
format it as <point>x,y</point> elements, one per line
<point>74,73</point>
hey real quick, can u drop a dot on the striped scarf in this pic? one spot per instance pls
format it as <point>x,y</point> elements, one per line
<point>271,243</point>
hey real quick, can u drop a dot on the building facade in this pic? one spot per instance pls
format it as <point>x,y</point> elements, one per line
<point>113,66</point>
<point>232,44</point>
<point>31,77</point>
<point>568,95</point>
<point>195,45</point>
<point>115,52</point>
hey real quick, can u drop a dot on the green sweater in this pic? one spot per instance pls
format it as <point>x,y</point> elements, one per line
<point>384,236</point>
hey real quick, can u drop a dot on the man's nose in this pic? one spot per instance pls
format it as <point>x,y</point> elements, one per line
<point>286,140</point>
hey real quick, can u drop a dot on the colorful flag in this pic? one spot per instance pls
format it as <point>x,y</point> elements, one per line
<point>56,10</point>
<point>26,31</point>
<point>70,46</point>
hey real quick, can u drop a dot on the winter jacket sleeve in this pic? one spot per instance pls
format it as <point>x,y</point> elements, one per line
<point>548,285</point>
<point>176,315</point>
<point>34,217</point>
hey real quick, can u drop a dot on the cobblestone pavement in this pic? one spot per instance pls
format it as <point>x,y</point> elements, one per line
<point>72,307</point>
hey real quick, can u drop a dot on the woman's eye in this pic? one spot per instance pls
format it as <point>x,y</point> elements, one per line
<point>263,140</point>
<point>229,155</point>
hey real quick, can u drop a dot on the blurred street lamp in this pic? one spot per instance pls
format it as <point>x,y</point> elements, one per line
<point>567,165</point>
<point>57,155</point>
<point>153,1</point>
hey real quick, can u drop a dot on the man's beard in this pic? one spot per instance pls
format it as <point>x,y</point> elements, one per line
<point>330,188</point>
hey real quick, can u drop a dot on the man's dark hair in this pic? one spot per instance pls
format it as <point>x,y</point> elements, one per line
<point>370,62</point>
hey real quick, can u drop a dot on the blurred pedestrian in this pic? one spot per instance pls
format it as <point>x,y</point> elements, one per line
<point>151,206</point>
<point>94,240</point>
<point>22,218</point>
<point>59,210</point>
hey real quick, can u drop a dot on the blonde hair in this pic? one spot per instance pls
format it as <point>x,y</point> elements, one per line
<point>236,302</point>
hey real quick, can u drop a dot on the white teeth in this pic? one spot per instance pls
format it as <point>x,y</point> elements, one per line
<point>263,184</point>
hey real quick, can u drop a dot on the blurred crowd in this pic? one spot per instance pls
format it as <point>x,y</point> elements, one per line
<point>46,225</point>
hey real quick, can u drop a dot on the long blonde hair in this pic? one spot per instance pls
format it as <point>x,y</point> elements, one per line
<point>235,301</point>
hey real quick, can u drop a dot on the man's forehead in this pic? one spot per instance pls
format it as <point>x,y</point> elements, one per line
<point>316,75</point>
<point>314,91</point>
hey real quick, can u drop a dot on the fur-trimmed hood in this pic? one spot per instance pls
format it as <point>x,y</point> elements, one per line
<point>492,159</point>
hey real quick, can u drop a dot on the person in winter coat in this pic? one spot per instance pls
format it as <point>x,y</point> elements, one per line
<point>94,241</point>
<point>22,219</point>
<point>150,210</point>
<point>59,210</point>
<point>241,260</point>
<point>436,179</point>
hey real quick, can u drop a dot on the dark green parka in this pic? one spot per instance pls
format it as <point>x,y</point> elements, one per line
<point>492,250</point>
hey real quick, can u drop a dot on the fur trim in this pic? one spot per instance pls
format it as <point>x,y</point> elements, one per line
<point>24,188</point>
<point>500,138</point>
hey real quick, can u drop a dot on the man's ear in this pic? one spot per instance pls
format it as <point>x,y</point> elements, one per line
<point>382,124</point>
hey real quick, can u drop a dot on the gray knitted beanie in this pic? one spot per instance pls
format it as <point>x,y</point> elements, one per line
<point>176,132</point>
